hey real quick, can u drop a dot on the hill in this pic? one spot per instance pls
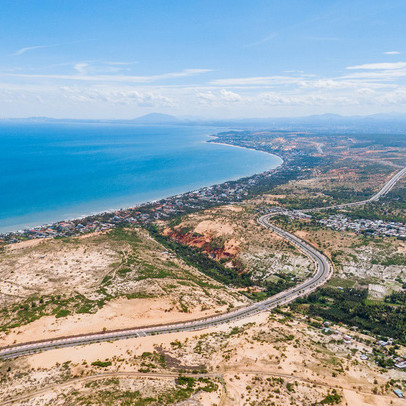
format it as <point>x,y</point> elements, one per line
<point>156,118</point>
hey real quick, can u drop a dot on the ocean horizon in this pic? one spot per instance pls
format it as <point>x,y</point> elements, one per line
<point>52,172</point>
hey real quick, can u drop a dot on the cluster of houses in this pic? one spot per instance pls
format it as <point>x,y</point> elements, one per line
<point>373,227</point>
<point>228,192</point>
<point>164,209</point>
<point>341,222</point>
<point>398,362</point>
<point>60,229</point>
<point>291,214</point>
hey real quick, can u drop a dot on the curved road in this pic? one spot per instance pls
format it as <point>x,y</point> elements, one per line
<point>387,187</point>
<point>322,273</point>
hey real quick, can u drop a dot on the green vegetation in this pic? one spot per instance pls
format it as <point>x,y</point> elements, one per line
<point>135,265</point>
<point>124,271</point>
<point>286,174</point>
<point>340,282</point>
<point>389,209</point>
<point>352,307</point>
<point>152,360</point>
<point>62,313</point>
<point>194,257</point>
<point>272,287</point>
<point>108,392</point>
<point>36,307</point>
<point>397,259</point>
<point>332,398</point>
<point>123,235</point>
<point>398,298</point>
<point>101,364</point>
<point>284,282</point>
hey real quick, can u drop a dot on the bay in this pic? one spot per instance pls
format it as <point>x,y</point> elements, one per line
<point>50,172</point>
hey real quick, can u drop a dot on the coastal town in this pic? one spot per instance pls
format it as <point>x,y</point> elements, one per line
<point>147,213</point>
<point>341,222</point>
<point>342,341</point>
<point>295,163</point>
<point>365,226</point>
<point>203,203</point>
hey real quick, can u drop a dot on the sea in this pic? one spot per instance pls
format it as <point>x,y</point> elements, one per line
<point>56,171</point>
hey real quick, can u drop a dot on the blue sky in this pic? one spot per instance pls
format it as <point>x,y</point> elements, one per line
<point>223,58</point>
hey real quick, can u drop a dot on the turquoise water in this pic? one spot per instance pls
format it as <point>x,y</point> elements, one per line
<point>50,172</point>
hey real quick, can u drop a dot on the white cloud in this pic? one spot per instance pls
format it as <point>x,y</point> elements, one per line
<point>312,99</point>
<point>256,80</point>
<point>366,91</point>
<point>327,84</point>
<point>99,67</point>
<point>226,95</point>
<point>378,66</point>
<point>276,98</point>
<point>351,81</point>
<point>26,49</point>
<point>398,96</point>
<point>81,68</point>
<point>223,96</point>
<point>379,75</point>
<point>92,92</point>
<point>120,96</point>
<point>109,78</point>
<point>392,53</point>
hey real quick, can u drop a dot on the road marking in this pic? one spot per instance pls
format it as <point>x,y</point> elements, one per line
<point>322,273</point>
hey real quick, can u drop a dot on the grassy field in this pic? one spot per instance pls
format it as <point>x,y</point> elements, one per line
<point>81,275</point>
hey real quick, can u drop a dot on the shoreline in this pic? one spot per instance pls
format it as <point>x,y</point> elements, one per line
<point>239,146</point>
<point>149,202</point>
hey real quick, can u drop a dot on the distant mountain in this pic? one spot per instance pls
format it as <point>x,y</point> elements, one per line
<point>388,116</point>
<point>157,118</point>
<point>383,122</point>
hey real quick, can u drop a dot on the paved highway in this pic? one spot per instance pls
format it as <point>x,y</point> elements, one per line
<point>387,187</point>
<point>322,273</point>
